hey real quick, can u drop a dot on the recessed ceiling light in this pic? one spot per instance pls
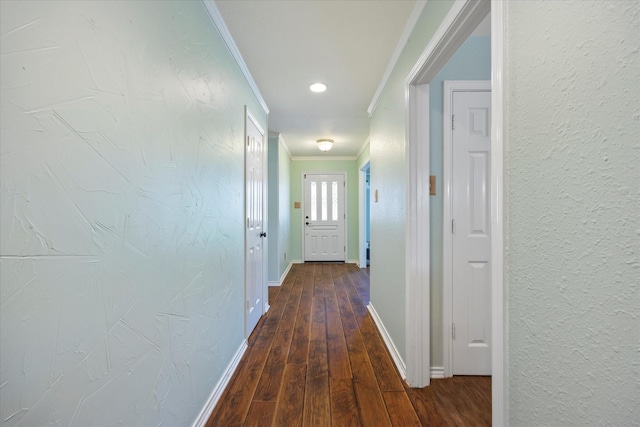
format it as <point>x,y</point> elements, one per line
<point>318,87</point>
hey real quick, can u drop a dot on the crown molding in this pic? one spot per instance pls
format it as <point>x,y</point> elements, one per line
<point>411,23</point>
<point>218,22</point>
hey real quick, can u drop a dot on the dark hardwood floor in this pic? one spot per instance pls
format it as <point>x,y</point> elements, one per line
<point>317,359</point>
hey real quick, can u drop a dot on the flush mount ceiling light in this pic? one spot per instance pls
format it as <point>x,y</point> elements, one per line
<point>325,144</point>
<point>318,87</point>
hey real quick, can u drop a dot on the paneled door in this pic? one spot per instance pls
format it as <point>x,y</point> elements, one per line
<point>324,217</point>
<point>471,231</point>
<point>254,224</point>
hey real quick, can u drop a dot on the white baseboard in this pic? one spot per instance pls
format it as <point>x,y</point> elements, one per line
<point>437,372</point>
<point>211,402</point>
<point>354,261</point>
<point>284,275</point>
<point>395,354</point>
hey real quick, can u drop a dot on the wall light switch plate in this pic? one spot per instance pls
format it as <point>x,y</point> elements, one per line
<point>432,185</point>
<point>296,205</point>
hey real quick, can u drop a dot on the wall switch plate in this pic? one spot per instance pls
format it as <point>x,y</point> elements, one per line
<point>432,185</point>
<point>296,205</point>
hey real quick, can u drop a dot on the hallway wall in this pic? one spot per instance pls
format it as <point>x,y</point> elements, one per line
<point>122,182</point>
<point>389,177</point>
<point>571,205</point>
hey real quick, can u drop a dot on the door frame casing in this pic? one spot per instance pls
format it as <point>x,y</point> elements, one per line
<point>418,364</point>
<point>302,210</point>
<point>265,303</point>
<point>450,86</point>
<point>461,20</point>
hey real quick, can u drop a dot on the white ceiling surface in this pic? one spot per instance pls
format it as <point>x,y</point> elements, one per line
<point>287,45</point>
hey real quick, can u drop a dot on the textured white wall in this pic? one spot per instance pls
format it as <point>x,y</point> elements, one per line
<point>121,252</point>
<point>573,212</point>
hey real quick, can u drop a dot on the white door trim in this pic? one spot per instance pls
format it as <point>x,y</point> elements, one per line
<point>362,214</point>
<point>450,86</point>
<point>345,202</point>
<point>500,353</point>
<point>417,242</point>
<point>461,20</point>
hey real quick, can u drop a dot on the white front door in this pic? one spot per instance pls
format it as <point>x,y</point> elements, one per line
<point>471,242</point>
<point>254,223</point>
<point>324,217</point>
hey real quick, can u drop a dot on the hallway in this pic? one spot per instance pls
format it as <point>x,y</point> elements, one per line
<point>317,359</point>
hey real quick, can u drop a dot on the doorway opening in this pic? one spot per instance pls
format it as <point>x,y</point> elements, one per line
<point>365,216</point>
<point>466,227</point>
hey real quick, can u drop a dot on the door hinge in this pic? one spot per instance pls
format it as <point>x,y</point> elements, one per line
<point>453,121</point>
<point>247,305</point>
<point>453,331</point>
<point>453,226</point>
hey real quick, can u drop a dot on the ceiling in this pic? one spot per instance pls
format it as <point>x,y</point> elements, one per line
<point>346,44</point>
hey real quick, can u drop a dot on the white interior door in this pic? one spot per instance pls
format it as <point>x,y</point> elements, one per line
<point>471,241</point>
<point>255,230</point>
<point>324,217</point>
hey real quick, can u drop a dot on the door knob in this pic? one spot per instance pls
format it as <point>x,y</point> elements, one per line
<point>263,234</point>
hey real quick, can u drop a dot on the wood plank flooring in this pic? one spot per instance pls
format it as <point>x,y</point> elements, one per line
<point>317,359</point>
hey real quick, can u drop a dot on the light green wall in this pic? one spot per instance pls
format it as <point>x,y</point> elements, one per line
<point>573,205</point>
<point>279,250</point>
<point>273,218</point>
<point>284,209</point>
<point>472,61</point>
<point>348,166</point>
<point>388,176</point>
<point>122,188</point>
